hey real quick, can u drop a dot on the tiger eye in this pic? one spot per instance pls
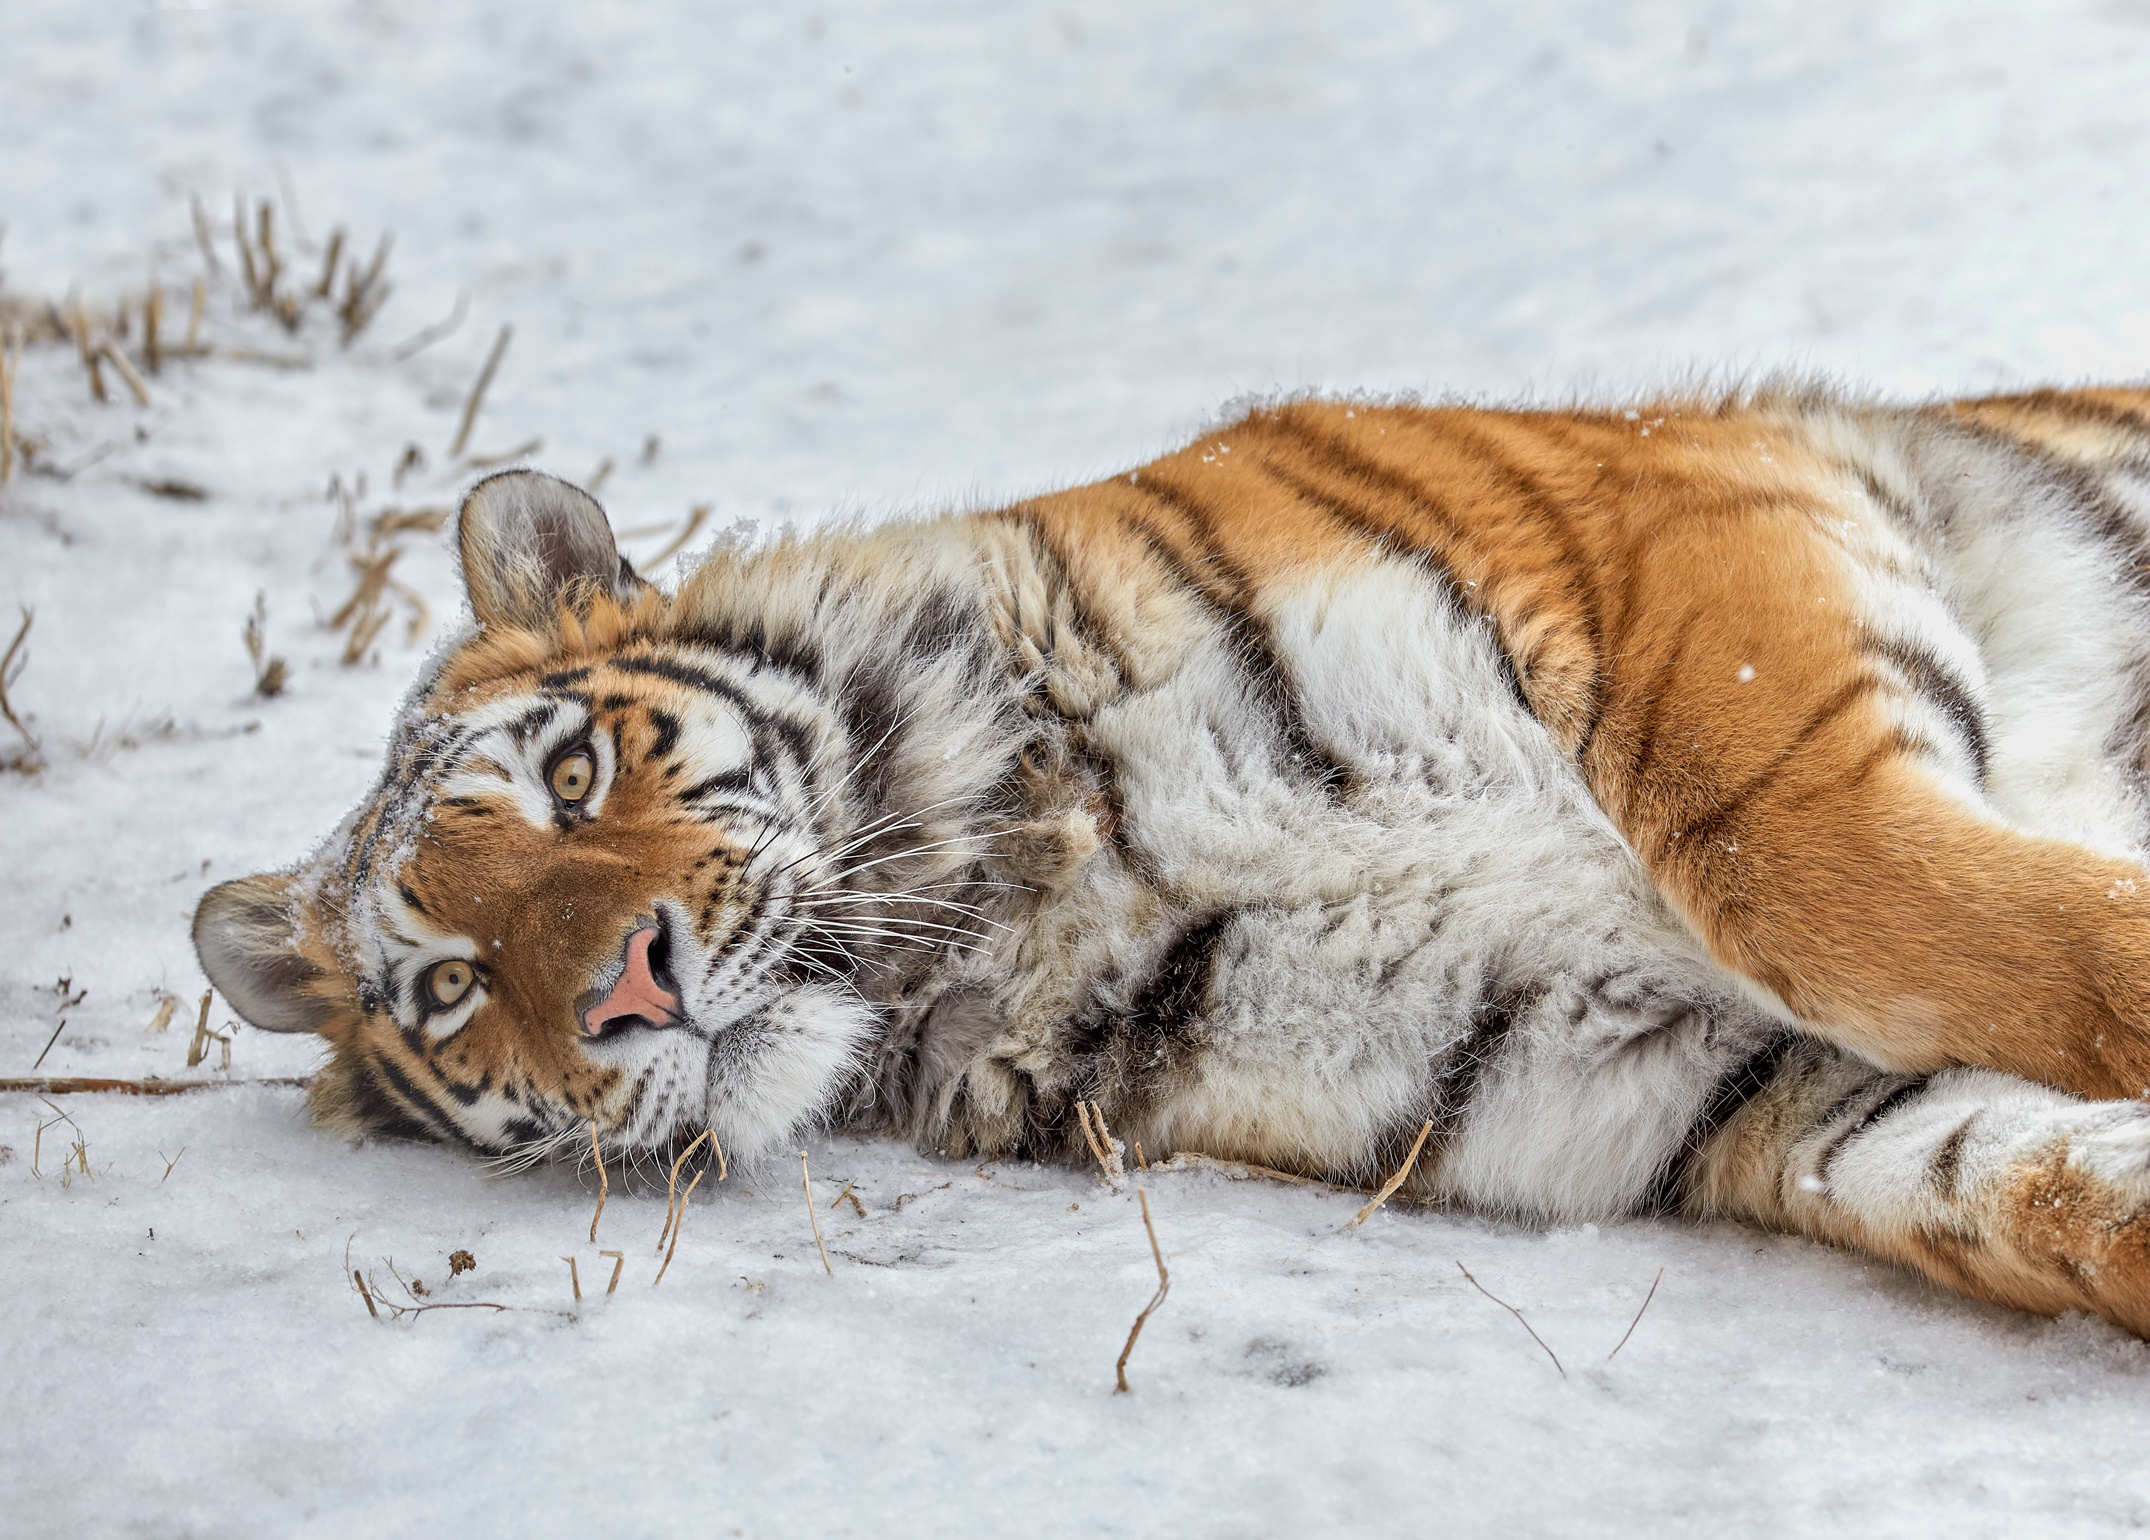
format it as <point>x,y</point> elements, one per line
<point>450,981</point>
<point>573,776</point>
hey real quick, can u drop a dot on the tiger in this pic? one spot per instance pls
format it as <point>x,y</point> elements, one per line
<point>1727,807</point>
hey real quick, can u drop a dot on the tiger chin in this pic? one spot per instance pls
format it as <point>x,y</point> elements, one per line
<point>1730,808</point>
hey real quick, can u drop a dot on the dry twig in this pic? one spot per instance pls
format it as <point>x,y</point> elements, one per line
<point>574,1276</point>
<point>1654,1282</point>
<point>619,1260</point>
<point>80,1085</point>
<point>1164,1287</point>
<point>1489,1294</point>
<point>1389,1187</point>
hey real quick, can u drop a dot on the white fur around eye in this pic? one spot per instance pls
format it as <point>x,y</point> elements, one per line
<point>417,1003</point>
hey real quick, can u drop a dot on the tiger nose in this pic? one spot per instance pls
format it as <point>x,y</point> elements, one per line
<point>636,994</point>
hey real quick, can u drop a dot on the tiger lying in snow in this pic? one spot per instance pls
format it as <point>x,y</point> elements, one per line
<point>1725,808</point>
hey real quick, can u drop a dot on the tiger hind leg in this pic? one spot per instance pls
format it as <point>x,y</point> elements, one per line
<point>1991,1185</point>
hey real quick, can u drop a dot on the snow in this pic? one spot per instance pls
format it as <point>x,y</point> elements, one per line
<point>855,258</point>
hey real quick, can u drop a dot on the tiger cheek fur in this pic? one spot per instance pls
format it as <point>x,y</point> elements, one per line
<point>1732,808</point>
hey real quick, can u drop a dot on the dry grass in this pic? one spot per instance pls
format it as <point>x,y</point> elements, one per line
<point>477,392</point>
<point>619,1260</point>
<point>1389,1187</point>
<point>1164,1287</point>
<point>678,1224</point>
<point>671,1190</point>
<point>10,361</point>
<point>269,672</point>
<point>604,1183</point>
<point>198,1049</point>
<point>167,1002</point>
<point>1102,1144</point>
<point>31,756</point>
<point>83,1085</point>
<point>806,1180</point>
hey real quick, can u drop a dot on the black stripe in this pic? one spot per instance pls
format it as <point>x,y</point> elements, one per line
<point>1930,677</point>
<point>668,729</point>
<point>1872,1115</point>
<point>1227,592</point>
<point>1655,694</point>
<point>435,1124</point>
<point>1947,1162</point>
<point>1342,459</point>
<point>1846,697</point>
<point>1732,1093</point>
<point>1493,1018</point>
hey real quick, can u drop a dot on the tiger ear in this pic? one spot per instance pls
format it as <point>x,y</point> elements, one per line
<point>524,539</point>
<point>246,940</point>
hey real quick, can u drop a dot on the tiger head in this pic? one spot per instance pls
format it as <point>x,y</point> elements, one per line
<point>596,887</point>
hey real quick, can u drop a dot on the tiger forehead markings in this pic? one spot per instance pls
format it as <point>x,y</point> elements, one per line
<point>1723,807</point>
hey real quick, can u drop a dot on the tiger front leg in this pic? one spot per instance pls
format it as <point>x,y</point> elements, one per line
<point>1996,1187</point>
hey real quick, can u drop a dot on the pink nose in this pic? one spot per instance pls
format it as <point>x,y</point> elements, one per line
<point>637,993</point>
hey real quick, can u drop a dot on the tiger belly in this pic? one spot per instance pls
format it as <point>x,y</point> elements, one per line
<point>1301,961</point>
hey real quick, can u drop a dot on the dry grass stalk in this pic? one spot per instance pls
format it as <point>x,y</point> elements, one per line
<point>204,239</point>
<point>1389,1187</point>
<point>195,307</point>
<point>1240,1170</point>
<point>846,1193</point>
<point>153,329</point>
<point>364,1293</point>
<point>10,670</point>
<point>604,1183</point>
<point>328,264</point>
<point>137,387</point>
<point>425,337</point>
<point>167,1002</point>
<point>806,1180</point>
<point>364,612</point>
<point>1654,1282</point>
<point>397,521</point>
<point>696,518</point>
<point>574,1276</point>
<point>679,1225</point>
<point>40,1059</point>
<point>268,669</point>
<point>522,451</point>
<point>78,325</point>
<point>1489,1294</point>
<point>198,1050</point>
<point>175,1160</point>
<point>249,269</point>
<point>1102,1144</point>
<point>671,1188</point>
<point>363,293</point>
<point>619,1260</point>
<point>1164,1287</point>
<point>10,360</point>
<point>81,1085</point>
<point>477,392</point>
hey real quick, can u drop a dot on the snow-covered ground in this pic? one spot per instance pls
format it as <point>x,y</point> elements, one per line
<point>851,257</point>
